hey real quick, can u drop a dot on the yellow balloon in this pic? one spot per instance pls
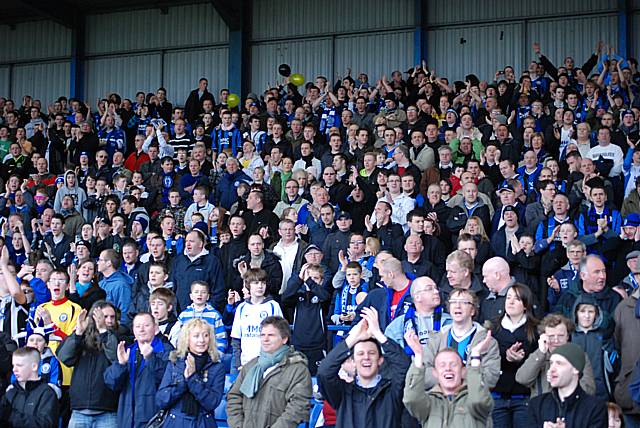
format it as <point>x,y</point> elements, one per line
<point>297,79</point>
<point>233,100</point>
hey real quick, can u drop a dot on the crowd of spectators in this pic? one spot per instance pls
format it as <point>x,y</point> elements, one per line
<point>404,252</point>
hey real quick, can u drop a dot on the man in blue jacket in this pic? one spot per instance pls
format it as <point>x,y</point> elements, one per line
<point>114,282</point>
<point>226,191</point>
<point>197,264</point>
<point>137,373</point>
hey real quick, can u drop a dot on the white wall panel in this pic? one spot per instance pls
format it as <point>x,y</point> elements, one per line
<point>4,82</point>
<point>183,69</point>
<point>34,40</point>
<point>284,18</point>
<point>309,57</point>
<point>483,49</point>
<point>124,75</point>
<point>374,54</point>
<point>571,37</point>
<point>196,24</point>
<point>45,81</point>
<point>465,11</point>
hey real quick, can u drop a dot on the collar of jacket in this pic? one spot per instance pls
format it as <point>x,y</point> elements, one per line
<point>569,401</point>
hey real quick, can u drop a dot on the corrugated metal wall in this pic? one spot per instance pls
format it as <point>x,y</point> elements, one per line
<point>45,81</point>
<point>309,57</point>
<point>182,70</point>
<point>635,41</point>
<point>456,52</point>
<point>124,74</point>
<point>329,36</point>
<point>277,19</point>
<point>357,52</point>
<point>39,53</point>
<point>5,83</point>
<point>566,37</point>
<point>173,50</point>
<point>464,11</point>
<point>456,49</point>
<point>144,30</point>
<point>34,40</point>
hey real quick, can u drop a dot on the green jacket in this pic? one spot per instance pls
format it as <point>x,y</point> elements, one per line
<point>470,407</point>
<point>490,358</point>
<point>282,401</point>
<point>476,149</point>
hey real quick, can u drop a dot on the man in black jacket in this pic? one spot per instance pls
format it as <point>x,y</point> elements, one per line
<point>29,400</point>
<point>193,105</point>
<point>374,398</point>
<point>567,405</point>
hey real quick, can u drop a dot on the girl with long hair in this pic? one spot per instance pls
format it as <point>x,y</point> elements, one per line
<point>515,332</point>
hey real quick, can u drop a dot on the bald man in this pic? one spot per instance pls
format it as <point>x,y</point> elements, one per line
<point>497,277</point>
<point>426,317</point>
<point>394,299</point>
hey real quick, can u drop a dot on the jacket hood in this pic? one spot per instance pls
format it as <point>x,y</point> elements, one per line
<point>588,299</point>
<point>66,183</point>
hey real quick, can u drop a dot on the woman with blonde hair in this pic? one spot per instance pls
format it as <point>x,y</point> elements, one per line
<point>193,383</point>
<point>475,228</point>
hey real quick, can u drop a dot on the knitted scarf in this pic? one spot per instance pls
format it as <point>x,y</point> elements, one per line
<point>591,225</point>
<point>410,323</point>
<point>251,383</point>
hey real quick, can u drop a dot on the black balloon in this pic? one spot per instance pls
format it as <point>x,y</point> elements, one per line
<point>284,70</point>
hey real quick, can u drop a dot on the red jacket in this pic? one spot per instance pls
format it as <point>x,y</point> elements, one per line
<point>136,160</point>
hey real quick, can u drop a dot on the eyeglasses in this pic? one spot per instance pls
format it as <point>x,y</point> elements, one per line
<point>428,290</point>
<point>556,337</point>
<point>459,302</point>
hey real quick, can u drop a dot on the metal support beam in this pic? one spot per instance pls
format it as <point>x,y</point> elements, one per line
<point>76,68</point>
<point>237,16</point>
<point>420,32</point>
<point>625,8</point>
<point>59,11</point>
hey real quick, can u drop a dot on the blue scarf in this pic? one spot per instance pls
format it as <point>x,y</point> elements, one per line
<point>591,225</point>
<point>82,288</point>
<point>463,346</point>
<point>348,296</point>
<point>410,322</point>
<point>157,346</point>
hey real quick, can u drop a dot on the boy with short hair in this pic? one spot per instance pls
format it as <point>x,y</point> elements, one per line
<point>307,294</point>
<point>592,330</point>
<point>29,400</point>
<point>49,367</point>
<point>245,332</point>
<point>200,308</point>
<point>157,279</point>
<point>176,209</point>
<point>58,317</point>
<point>162,302</point>
<point>349,282</point>
<point>199,205</point>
